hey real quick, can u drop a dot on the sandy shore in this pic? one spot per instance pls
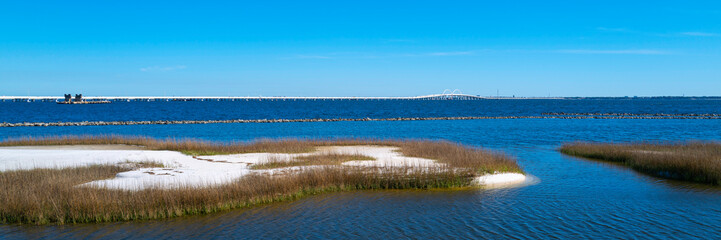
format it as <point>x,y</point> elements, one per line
<point>182,170</point>
<point>501,180</point>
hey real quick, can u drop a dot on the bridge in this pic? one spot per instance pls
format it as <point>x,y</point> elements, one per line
<point>446,95</point>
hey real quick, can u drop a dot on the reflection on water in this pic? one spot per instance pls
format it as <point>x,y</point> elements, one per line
<point>673,184</point>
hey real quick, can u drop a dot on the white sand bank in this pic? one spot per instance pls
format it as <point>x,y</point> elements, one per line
<point>384,156</point>
<point>17,159</point>
<point>182,170</point>
<point>500,180</point>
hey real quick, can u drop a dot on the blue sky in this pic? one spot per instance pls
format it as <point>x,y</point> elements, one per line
<point>366,48</point>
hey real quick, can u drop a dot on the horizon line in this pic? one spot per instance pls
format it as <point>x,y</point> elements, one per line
<point>38,97</point>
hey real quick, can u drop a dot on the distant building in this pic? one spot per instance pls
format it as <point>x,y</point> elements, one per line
<point>79,100</point>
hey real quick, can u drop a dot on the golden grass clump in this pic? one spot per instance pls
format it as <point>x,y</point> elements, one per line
<point>42,196</point>
<point>691,161</point>
<point>459,156</point>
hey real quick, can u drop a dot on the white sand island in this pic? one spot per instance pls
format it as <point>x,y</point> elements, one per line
<point>180,170</point>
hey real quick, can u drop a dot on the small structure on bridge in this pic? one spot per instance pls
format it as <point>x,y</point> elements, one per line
<point>79,100</point>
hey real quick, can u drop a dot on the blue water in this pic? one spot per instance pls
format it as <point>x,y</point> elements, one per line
<point>576,198</point>
<point>15,112</point>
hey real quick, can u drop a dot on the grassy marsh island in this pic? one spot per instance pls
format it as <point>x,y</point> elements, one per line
<point>691,161</point>
<point>67,180</point>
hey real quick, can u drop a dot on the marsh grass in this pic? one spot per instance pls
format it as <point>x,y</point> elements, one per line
<point>459,156</point>
<point>691,161</point>
<point>43,196</point>
<point>318,160</point>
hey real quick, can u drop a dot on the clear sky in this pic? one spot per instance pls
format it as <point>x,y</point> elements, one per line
<point>364,48</point>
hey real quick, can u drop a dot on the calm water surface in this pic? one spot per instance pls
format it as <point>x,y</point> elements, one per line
<point>14,112</point>
<point>575,198</point>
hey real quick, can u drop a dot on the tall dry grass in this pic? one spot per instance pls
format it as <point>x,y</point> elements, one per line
<point>42,196</point>
<point>459,156</point>
<point>690,161</point>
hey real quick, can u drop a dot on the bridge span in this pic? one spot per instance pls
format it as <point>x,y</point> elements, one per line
<point>442,96</point>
